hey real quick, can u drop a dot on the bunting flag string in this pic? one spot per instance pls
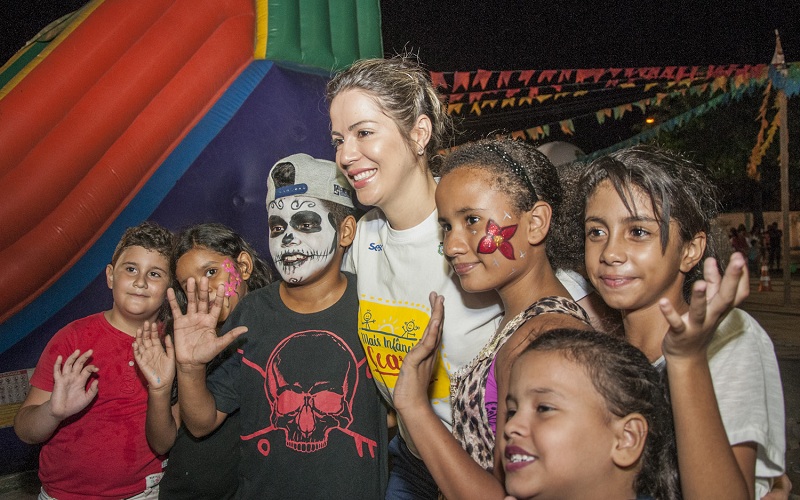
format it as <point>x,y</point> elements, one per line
<point>668,125</point>
<point>453,82</point>
<point>618,112</point>
<point>755,155</point>
<point>561,98</point>
<point>787,80</point>
<point>535,90</point>
<point>513,98</point>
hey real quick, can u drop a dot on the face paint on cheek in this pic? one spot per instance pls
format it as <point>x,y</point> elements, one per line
<point>497,239</point>
<point>234,278</point>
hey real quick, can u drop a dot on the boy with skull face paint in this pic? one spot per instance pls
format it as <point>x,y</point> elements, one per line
<point>312,422</point>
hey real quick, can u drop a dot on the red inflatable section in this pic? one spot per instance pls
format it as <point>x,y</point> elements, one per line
<point>90,124</point>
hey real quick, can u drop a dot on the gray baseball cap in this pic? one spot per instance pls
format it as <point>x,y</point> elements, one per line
<point>312,177</point>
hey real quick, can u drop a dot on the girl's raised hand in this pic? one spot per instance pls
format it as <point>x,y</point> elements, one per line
<point>196,340</point>
<point>156,363</point>
<point>712,298</point>
<point>70,394</point>
<point>411,388</point>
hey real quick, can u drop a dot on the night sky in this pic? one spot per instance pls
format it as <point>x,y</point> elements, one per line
<point>530,34</point>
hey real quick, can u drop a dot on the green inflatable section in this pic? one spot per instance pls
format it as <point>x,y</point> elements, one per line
<point>326,34</point>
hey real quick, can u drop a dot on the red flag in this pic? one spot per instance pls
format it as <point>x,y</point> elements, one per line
<point>437,78</point>
<point>460,80</point>
<point>482,78</point>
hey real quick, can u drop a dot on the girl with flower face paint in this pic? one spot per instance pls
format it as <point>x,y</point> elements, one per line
<point>198,468</point>
<point>496,200</point>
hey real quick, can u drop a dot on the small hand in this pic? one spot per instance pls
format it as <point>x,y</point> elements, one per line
<point>712,299</point>
<point>196,341</point>
<point>411,388</point>
<point>156,363</point>
<point>70,394</point>
<point>781,488</point>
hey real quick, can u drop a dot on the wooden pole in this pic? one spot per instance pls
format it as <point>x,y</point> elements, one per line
<point>779,61</point>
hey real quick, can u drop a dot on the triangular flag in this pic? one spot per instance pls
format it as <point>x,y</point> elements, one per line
<point>437,79</point>
<point>547,75</point>
<point>503,78</point>
<point>454,108</point>
<point>460,80</point>
<point>669,72</point>
<point>481,78</point>
<point>601,116</point>
<point>525,76</point>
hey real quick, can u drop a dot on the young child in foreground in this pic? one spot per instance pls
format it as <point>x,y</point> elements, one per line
<point>647,219</point>
<point>312,423</point>
<point>587,418</point>
<point>198,468</point>
<point>88,399</point>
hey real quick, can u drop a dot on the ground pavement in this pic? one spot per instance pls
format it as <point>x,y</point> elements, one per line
<point>782,323</point>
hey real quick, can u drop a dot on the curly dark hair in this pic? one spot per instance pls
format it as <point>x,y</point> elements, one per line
<point>148,235</point>
<point>626,380</point>
<point>678,188</point>
<point>402,88</point>
<point>223,240</point>
<point>517,168</point>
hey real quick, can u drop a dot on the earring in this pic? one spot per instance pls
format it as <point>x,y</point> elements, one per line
<point>420,151</point>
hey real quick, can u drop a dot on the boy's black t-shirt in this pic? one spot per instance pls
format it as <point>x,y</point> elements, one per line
<point>311,420</point>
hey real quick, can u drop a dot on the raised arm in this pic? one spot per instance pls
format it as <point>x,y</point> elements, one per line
<point>709,466</point>
<point>196,343</point>
<point>42,411</point>
<point>456,474</point>
<point>158,367</point>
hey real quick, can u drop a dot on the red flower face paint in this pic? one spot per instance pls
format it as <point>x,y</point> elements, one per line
<point>497,239</point>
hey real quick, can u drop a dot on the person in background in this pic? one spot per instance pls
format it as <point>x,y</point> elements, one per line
<point>775,248</point>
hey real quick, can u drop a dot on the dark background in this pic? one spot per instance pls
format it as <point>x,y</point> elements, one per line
<point>504,34</point>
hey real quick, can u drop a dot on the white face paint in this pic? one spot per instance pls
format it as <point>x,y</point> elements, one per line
<point>302,237</point>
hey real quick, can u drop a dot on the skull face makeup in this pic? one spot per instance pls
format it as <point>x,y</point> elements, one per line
<point>302,237</point>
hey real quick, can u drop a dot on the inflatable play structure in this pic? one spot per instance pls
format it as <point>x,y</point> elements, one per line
<point>172,111</point>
